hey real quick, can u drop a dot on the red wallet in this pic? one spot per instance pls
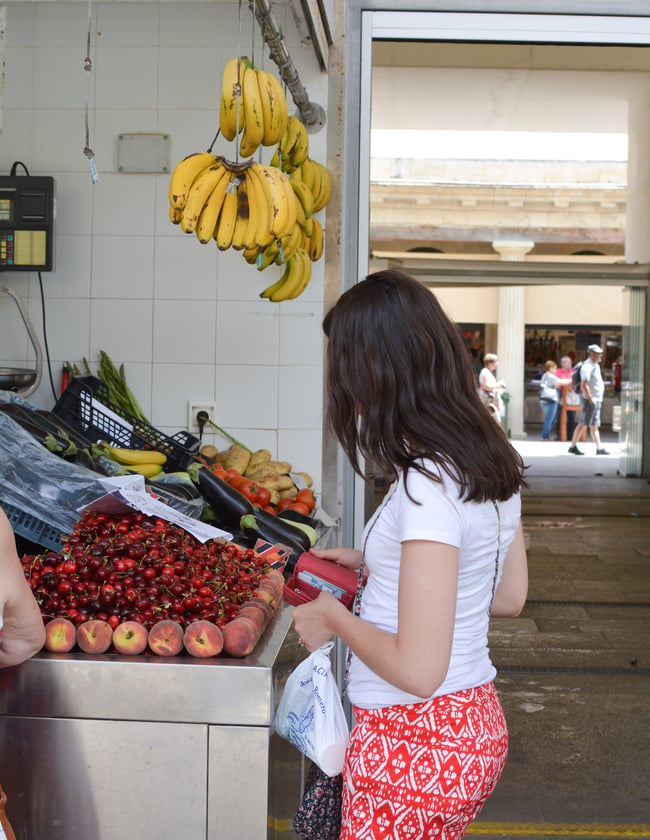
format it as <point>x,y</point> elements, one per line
<point>311,575</point>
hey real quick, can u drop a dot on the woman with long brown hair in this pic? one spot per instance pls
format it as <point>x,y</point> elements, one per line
<point>443,551</point>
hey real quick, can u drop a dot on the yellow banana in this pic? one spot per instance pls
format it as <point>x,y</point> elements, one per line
<point>227,218</point>
<point>301,219</point>
<point>253,118</point>
<point>274,288</point>
<point>291,242</point>
<point>147,470</point>
<point>316,242</point>
<point>294,272</point>
<point>290,138</point>
<point>207,182</point>
<point>243,217</point>
<point>304,194</point>
<point>305,275</point>
<point>250,254</point>
<point>184,174</point>
<point>316,176</point>
<point>231,110</point>
<point>308,227</point>
<point>130,457</point>
<point>207,222</point>
<point>268,255</point>
<point>301,150</point>
<point>275,158</point>
<point>282,200</point>
<point>281,99</point>
<point>259,202</point>
<point>175,215</point>
<point>324,188</point>
<point>274,107</point>
<point>307,170</point>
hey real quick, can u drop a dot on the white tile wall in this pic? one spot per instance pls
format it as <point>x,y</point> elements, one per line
<point>186,319</point>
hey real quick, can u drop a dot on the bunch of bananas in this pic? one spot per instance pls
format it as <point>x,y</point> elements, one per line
<point>147,462</point>
<point>240,205</point>
<point>253,104</point>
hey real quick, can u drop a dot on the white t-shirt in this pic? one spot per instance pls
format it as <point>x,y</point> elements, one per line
<point>472,527</point>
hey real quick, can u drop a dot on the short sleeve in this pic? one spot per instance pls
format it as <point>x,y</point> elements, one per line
<point>434,512</point>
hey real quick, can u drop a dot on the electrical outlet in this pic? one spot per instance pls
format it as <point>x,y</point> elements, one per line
<point>193,408</point>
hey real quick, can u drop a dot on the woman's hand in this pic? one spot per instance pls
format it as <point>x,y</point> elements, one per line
<point>314,622</point>
<point>348,557</point>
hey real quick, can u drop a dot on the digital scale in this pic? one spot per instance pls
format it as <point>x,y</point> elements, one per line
<point>26,223</point>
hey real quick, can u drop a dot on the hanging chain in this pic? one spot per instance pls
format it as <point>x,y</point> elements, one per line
<point>88,66</point>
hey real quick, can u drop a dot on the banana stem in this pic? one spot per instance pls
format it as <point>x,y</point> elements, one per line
<point>228,435</point>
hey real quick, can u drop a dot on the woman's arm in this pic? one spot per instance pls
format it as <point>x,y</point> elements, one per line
<point>510,596</point>
<point>416,658</point>
<point>23,633</point>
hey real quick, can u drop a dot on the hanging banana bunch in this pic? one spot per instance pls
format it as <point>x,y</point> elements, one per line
<point>264,211</point>
<point>253,104</point>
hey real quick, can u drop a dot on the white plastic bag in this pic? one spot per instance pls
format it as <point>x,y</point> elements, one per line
<point>310,713</point>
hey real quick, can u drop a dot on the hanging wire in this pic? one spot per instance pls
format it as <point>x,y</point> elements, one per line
<point>88,66</point>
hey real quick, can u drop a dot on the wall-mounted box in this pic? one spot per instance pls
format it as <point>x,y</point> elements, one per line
<point>26,223</point>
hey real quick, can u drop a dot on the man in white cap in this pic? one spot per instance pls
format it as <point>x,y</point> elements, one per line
<point>592,390</point>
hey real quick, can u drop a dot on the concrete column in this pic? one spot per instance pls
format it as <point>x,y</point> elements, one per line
<point>511,337</point>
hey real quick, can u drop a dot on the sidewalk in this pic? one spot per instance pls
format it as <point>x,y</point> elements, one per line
<point>574,668</point>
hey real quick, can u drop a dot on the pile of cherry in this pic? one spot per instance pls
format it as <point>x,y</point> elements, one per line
<point>131,583</point>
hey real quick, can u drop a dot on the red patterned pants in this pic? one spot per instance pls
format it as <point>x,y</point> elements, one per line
<point>425,770</point>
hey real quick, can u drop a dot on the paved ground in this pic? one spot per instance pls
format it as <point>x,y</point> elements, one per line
<point>575,667</point>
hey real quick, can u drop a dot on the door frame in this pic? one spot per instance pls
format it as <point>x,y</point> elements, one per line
<point>583,23</point>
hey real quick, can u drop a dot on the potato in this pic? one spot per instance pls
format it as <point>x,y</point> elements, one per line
<point>290,493</point>
<point>286,483</point>
<point>309,481</point>
<point>259,457</point>
<point>275,497</point>
<point>209,451</point>
<point>237,458</point>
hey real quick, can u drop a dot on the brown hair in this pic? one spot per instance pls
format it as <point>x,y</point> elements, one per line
<point>549,364</point>
<point>401,388</point>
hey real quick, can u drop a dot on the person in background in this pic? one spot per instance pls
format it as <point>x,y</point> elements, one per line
<point>592,390</point>
<point>443,551</point>
<point>549,396</point>
<point>491,389</point>
<point>565,372</point>
<point>22,632</point>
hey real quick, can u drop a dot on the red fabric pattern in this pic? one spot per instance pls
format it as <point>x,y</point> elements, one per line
<point>425,770</point>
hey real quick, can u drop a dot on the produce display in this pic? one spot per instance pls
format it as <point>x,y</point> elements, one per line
<point>132,583</point>
<point>115,380</point>
<point>265,211</point>
<point>136,582</point>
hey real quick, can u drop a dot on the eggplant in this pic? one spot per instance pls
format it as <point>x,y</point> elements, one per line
<point>281,529</point>
<point>228,504</point>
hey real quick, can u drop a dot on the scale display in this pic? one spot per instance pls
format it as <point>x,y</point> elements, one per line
<point>26,223</point>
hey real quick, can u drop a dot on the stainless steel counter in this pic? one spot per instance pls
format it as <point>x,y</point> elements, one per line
<point>108,747</point>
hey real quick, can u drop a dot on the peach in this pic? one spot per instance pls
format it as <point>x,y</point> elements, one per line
<point>277,578</point>
<point>130,638</point>
<point>166,638</point>
<point>265,593</point>
<point>203,638</point>
<point>240,636</point>
<point>60,635</point>
<point>255,615</point>
<point>94,636</point>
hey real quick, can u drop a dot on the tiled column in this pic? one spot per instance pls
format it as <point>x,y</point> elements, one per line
<point>511,337</point>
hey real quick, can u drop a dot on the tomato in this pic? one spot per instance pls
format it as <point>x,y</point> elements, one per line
<point>283,504</point>
<point>232,476</point>
<point>306,497</point>
<point>299,508</point>
<point>263,496</point>
<point>249,489</point>
<point>219,469</point>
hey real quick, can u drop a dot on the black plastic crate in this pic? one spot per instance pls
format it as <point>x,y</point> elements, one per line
<point>85,404</point>
<point>31,528</point>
